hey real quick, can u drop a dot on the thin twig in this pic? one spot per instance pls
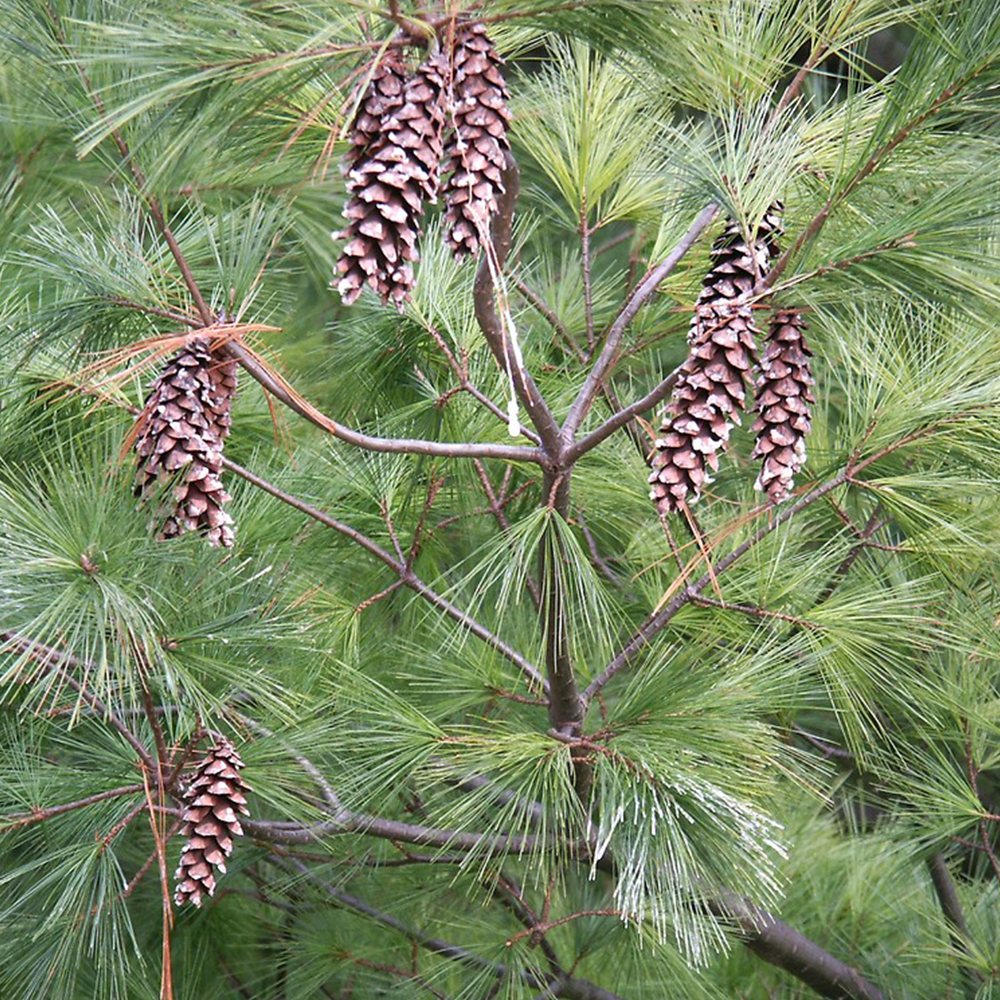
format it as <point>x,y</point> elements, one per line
<point>39,815</point>
<point>588,298</point>
<point>636,300</point>
<point>398,566</point>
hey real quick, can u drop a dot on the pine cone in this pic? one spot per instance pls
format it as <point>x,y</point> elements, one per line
<point>183,426</point>
<point>783,398</point>
<point>711,390</point>
<point>476,148</point>
<point>213,802</point>
<point>392,173</point>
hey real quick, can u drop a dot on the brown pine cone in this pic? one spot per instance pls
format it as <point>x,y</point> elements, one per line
<point>390,179</point>
<point>180,437</point>
<point>213,802</point>
<point>478,143</point>
<point>782,405</point>
<point>711,390</point>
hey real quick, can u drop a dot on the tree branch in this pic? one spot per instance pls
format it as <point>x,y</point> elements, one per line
<point>868,167</point>
<point>409,446</point>
<point>16,820</point>
<point>779,944</point>
<point>496,508</point>
<point>632,306</point>
<point>588,297</point>
<point>406,574</point>
<point>246,359</point>
<point>622,417</point>
<point>568,987</point>
<point>656,622</point>
<point>460,370</point>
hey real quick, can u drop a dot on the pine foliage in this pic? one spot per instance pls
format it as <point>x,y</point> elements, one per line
<point>510,730</point>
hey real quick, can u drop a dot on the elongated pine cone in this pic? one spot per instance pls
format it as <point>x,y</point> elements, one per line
<point>392,172</point>
<point>180,437</point>
<point>783,397</point>
<point>711,387</point>
<point>213,802</point>
<point>477,146</point>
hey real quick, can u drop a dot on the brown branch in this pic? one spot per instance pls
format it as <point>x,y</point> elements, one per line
<point>568,986</point>
<point>951,907</point>
<point>282,832</point>
<point>634,303</point>
<point>280,389</point>
<point>404,974</point>
<point>483,294</point>
<point>868,167</point>
<point>153,311</point>
<point>984,833</point>
<point>148,863</point>
<point>462,374</point>
<point>588,298</point>
<point>874,523</point>
<point>166,975</point>
<point>498,512</point>
<point>776,942</point>
<point>14,821</point>
<point>398,566</point>
<point>754,612</point>
<point>542,307</point>
<point>513,899</point>
<point>543,928</point>
<point>565,707</point>
<point>826,748</point>
<point>595,554</point>
<point>622,417</point>
<point>656,622</point>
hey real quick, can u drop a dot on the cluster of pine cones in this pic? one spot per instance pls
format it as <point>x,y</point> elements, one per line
<point>711,388</point>
<point>453,108</point>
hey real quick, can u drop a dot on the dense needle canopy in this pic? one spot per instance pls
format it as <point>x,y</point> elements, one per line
<point>499,727</point>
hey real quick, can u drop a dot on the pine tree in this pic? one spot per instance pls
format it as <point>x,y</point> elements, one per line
<point>511,732</point>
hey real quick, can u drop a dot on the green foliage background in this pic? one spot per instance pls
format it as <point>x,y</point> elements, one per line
<point>814,761</point>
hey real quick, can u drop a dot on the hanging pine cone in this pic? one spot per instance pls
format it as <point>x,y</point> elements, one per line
<point>783,398</point>
<point>710,389</point>
<point>213,802</point>
<point>478,143</point>
<point>392,171</point>
<point>180,437</point>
